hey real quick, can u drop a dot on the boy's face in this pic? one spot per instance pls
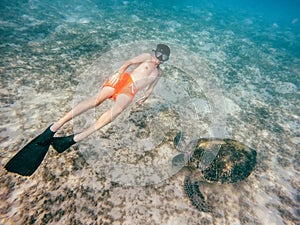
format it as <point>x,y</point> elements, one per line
<point>161,57</point>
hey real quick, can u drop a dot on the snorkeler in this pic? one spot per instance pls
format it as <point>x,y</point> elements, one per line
<point>121,87</point>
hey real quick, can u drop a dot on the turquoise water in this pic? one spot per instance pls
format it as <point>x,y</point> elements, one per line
<point>234,65</point>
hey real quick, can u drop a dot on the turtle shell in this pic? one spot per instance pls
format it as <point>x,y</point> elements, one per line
<point>217,160</point>
<point>223,160</point>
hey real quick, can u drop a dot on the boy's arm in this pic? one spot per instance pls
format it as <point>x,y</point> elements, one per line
<point>138,59</point>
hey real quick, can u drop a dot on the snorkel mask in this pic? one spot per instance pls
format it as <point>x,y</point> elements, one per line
<point>162,52</point>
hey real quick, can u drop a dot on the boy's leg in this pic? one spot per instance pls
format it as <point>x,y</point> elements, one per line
<point>63,143</point>
<point>122,102</point>
<point>83,106</point>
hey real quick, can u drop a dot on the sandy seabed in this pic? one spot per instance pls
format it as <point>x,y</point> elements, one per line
<point>123,174</point>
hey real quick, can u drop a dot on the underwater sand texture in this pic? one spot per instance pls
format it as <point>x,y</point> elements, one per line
<point>48,48</point>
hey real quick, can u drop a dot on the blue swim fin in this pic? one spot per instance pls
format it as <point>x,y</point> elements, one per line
<point>28,159</point>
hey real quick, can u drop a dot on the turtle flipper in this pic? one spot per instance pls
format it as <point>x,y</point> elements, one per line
<point>193,192</point>
<point>178,138</point>
<point>180,160</point>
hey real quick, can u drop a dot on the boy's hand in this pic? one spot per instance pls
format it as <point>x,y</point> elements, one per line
<point>114,79</point>
<point>141,101</point>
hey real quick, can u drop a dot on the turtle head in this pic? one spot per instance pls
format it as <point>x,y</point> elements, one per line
<point>180,160</point>
<point>178,139</point>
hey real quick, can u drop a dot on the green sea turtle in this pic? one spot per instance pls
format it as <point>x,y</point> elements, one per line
<point>213,160</point>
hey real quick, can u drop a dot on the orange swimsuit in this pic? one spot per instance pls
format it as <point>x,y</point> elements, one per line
<point>125,85</point>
